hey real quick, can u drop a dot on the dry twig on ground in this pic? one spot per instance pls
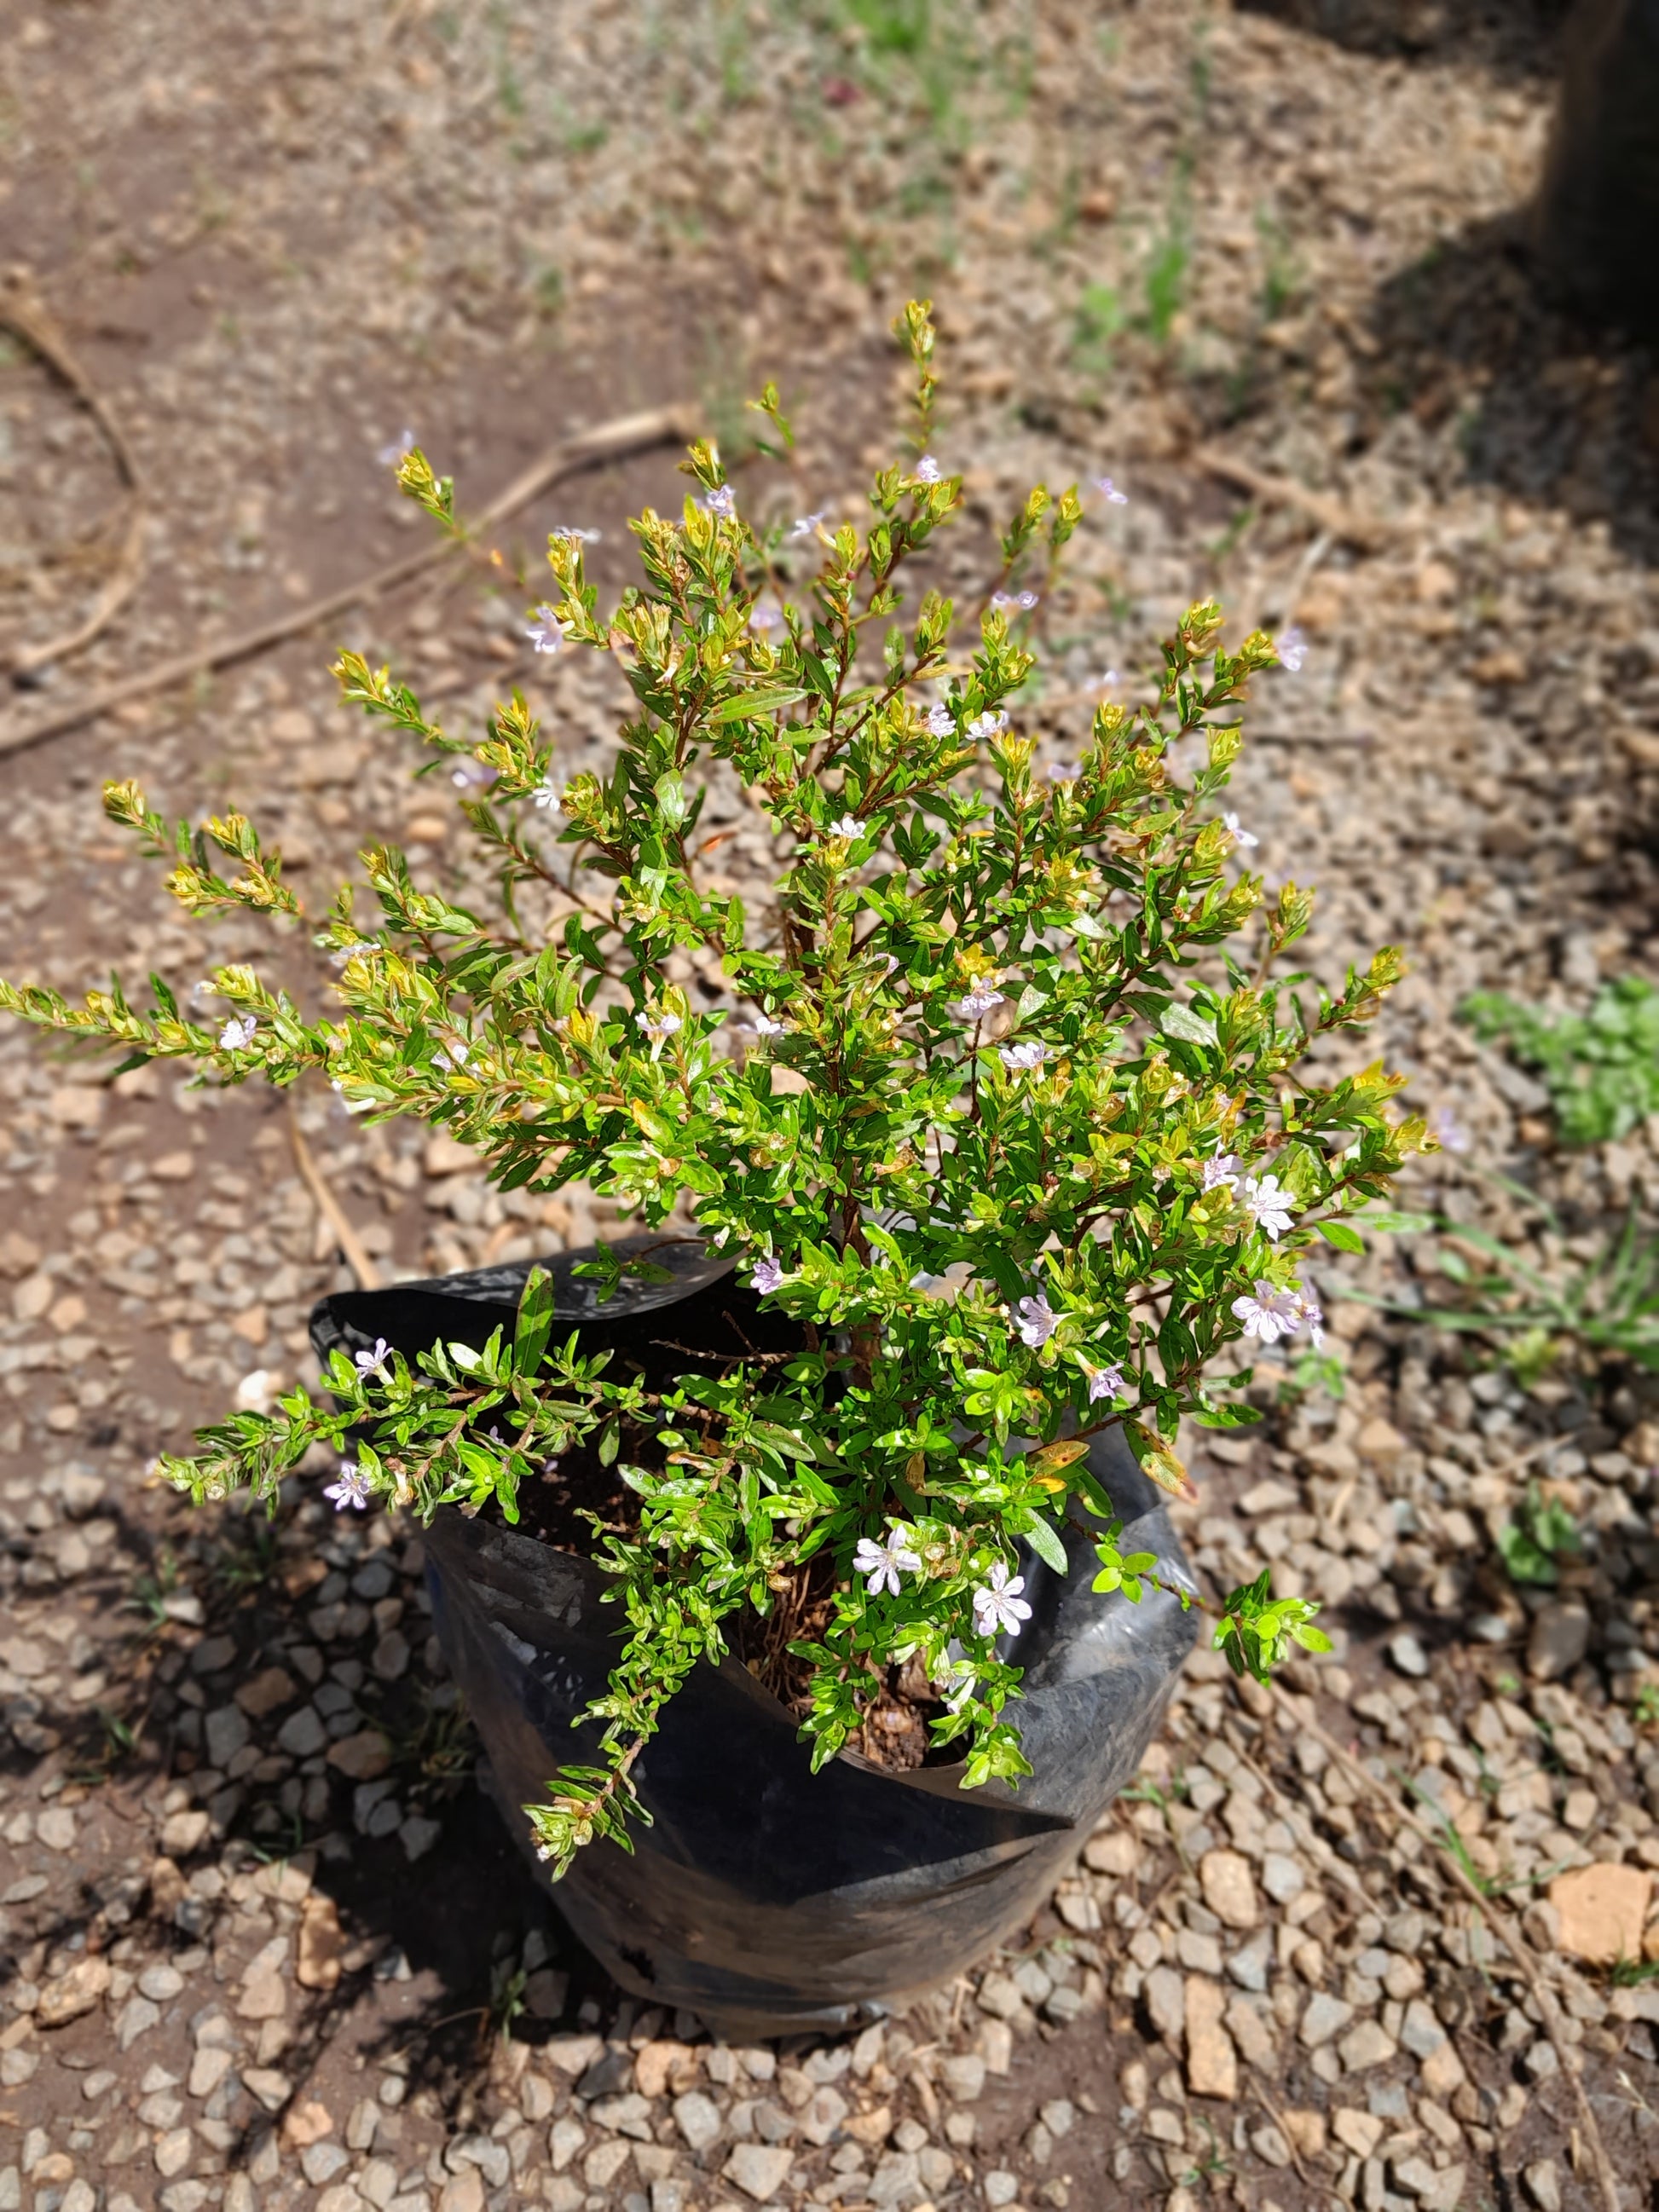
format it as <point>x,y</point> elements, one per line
<point>627,433</point>
<point>23,312</point>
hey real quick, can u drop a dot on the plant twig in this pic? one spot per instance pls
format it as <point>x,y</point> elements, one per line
<point>627,433</point>
<point>1331,514</point>
<point>357,1255</point>
<point>23,312</point>
<point>1499,1921</point>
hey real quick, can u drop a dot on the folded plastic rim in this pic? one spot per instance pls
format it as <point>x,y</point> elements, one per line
<point>764,1898</point>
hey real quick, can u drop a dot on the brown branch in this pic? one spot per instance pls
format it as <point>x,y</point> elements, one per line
<point>357,1255</point>
<point>628,433</point>
<point>1330,514</point>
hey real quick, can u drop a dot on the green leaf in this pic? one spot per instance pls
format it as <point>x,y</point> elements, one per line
<point>1226,1417</point>
<point>748,703</point>
<point>1342,1234</point>
<point>535,1322</point>
<point>1047,1544</point>
<point>1188,1024</point>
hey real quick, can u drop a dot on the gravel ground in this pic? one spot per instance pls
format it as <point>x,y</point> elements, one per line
<point>1169,242</point>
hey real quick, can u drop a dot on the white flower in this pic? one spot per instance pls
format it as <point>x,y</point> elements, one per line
<point>884,1563</point>
<point>1270,1203</point>
<point>764,1025</point>
<point>575,537</point>
<point>1240,836</point>
<point>722,502</point>
<point>1307,1309</point>
<point>351,1489</point>
<point>1105,1383</point>
<point>941,722</point>
<point>927,469</point>
<point>546,792</point>
<point>238,1033</point>
<point>546,632</point>
<point>1000,1605</point>
<point>658,1027</point>
<point>351,1105</point>
<point>849,826</point>
<point>1110,677</point>
<point>764,616</point>
<point>373,1362</point>
<point>1035,1320</point>
<point>769,1273</point>
<point>1270,1314</point>
<point>955,1682</point>
<point>1025,599</point>
<point>466,774</point>
<point>456,1057</point>
<point>1293,651</point>
<point>1109,492</point>
<point>394,449</point>
<point>978,1003</point>
<point>255,1390</point>
<point>1028,1054</point>
<point>807,524</point>
<point>987,726</point>
<point>1063,771</point>
<point>1221,1171</point>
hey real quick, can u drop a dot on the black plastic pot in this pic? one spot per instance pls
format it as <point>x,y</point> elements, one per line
<point>765,1898</point>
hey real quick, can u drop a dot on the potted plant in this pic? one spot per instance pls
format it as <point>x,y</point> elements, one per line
<point>962,1170</point>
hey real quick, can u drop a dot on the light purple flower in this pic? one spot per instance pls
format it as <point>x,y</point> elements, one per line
<point>456,1056</point>
<point>1063,771</point>
<point>1025,1055</point>
<point>1036,1321</point>
<point>1452,1135</point>
<point>466,774</point>
<point>1293,651</point>
<point>1269,1202</point>
<point>884,1563</point>
<point>546,632</point>
<point>1241,836</point>
<point>1221,1171</point>
<point>659,1028</point>
<point>941,722</point>
<point>373,1362</point>
<point>722,502</point>
<point>769,1273</point>
<point>987,726</point>
<point>765,617</point>
<point>1271,1313</point>
<point>1105,1383</point>
<point>978,1002</point>
<point>807,524</point>
<point>575,537</point>
<point>999,1605</point>
<point>848,826</point>
<point>1307,1309</point>
<point>391,453</point>
<point>1110,677</point>
<point>351,1489</point>
<point>927,469</point>
<point>1110,493</point>
<point>1026,600</point>
<point>238,1033</point>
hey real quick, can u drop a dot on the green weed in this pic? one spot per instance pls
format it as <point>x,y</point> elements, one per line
<point>1601,1068</point>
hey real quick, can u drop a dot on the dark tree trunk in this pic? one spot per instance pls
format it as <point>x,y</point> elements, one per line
<point>1596,223</point>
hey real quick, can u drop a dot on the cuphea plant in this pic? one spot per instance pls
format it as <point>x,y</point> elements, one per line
<point>1002,1102</point>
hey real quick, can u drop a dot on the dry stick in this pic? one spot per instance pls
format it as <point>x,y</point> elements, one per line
<point>22,310</point>
<point>628,433</point>
<point>357,1259</point>
<point>1496,1918</point>
<point>1330,514</point>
